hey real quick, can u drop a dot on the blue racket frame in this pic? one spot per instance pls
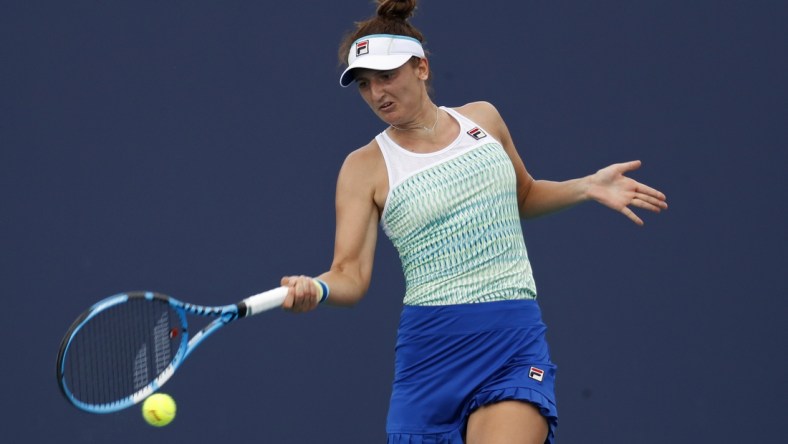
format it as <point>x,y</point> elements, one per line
<point>223,314</point>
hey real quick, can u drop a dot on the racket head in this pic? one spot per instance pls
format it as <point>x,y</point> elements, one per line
<point>121,350</point>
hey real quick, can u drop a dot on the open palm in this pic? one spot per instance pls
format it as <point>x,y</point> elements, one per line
<point>610,187</point>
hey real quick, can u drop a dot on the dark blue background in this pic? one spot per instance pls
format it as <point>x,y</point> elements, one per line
<point>192,147</point>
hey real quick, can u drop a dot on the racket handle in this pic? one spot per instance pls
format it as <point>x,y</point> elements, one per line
<point>263,301</point>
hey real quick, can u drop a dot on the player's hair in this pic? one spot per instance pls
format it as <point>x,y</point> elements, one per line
<point>392,17</point>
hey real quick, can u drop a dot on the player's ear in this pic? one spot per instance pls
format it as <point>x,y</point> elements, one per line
<point>423,69</point>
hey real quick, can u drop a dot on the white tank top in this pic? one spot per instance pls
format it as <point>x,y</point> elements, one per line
<point>453,217</point>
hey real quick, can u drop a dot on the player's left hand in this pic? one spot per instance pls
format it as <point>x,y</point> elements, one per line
<point>610,187</point>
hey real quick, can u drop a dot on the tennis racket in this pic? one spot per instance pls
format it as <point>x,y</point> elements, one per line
<point>125,347</point>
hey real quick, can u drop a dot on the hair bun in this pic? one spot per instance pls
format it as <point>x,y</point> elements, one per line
<point>396,9</point>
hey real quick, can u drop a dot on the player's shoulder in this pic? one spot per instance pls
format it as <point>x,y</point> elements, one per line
<point>481,112</point>
<point>368,153</point>
<point>481,108</point>
<point>363,160</point>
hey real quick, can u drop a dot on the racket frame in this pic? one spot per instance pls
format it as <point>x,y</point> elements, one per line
<point>223,315</point>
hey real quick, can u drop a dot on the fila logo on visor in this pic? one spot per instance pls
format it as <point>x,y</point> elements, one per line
<point>362,48</point>
<point>477,133</point>
<point>536,374</point>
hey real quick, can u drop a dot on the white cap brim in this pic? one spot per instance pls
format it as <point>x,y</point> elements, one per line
<point>380,52</point>
<point>378,63</point>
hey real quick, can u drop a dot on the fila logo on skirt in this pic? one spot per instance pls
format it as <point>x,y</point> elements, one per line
<point>536,374</point>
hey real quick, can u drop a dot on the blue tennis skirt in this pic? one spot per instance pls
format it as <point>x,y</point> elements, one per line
<point>451,360</point>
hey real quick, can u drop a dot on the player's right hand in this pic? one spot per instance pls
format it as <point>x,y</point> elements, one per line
<point>302,294</point>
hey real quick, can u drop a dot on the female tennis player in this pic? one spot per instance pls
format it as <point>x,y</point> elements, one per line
<point>449,189</point>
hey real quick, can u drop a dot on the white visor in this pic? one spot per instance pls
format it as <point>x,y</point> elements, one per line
<point>380,52</point>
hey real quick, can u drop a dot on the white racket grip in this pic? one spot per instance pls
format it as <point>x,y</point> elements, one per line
<point>265,301</point>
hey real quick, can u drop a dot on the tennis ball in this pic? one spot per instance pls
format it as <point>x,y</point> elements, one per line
<point>158,409</point>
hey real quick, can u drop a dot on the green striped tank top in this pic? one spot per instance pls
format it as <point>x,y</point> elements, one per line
<point>453,217</point>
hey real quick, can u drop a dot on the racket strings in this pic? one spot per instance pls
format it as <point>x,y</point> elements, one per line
<point>121,350</point>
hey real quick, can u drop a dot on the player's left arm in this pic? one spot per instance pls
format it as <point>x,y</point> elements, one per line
<point>608,186</point>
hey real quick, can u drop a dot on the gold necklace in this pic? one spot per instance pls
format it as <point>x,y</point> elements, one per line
<point>434,125</point>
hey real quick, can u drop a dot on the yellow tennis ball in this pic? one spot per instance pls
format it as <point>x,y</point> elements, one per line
<point>158,409</point>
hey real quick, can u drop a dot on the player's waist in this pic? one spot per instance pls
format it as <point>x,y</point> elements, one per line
<point>447,283</point>
<point>465,318</point>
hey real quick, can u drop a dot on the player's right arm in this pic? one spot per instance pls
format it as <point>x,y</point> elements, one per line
<point>358,206</point>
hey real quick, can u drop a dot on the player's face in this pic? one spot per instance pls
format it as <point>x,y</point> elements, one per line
<point>395,95</point>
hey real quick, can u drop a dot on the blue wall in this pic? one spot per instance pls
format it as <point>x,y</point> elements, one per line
<point>192,148</point>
